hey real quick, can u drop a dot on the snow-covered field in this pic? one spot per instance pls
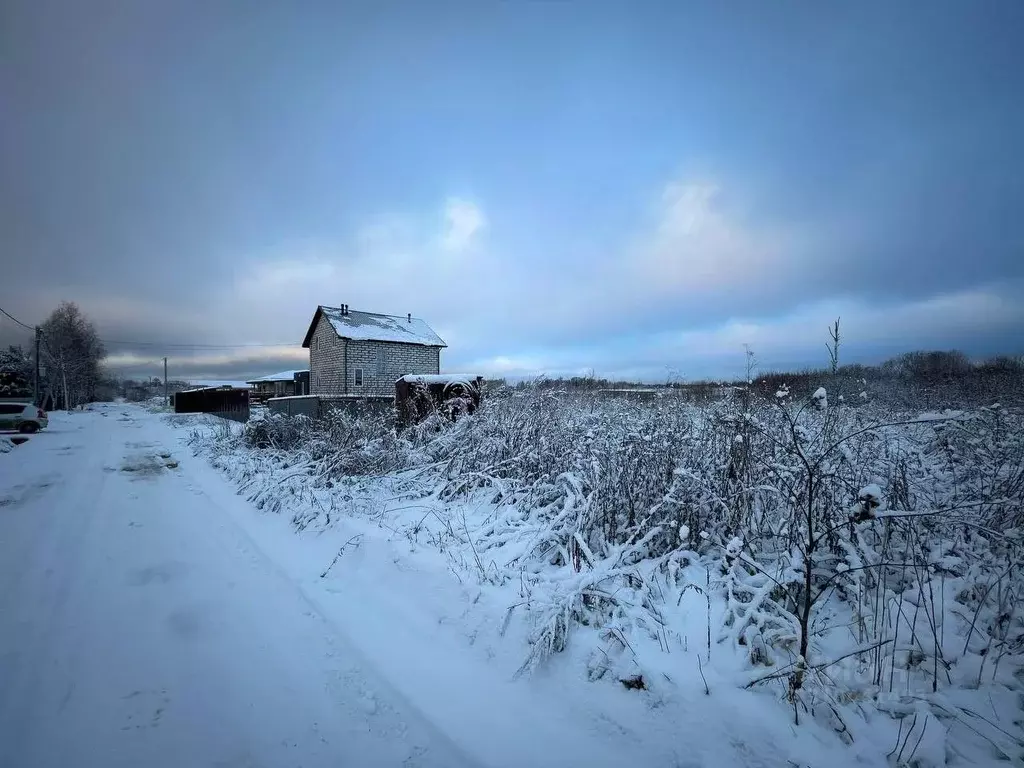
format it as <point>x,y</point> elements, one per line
<point>504,593</point>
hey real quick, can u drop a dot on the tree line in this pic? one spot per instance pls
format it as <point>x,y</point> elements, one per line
<point>929,379</point>
<point>932,378</point>
<point>70,362</point>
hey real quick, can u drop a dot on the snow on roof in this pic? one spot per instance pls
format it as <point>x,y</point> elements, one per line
<point>369,326</point>
<point>279,376</point>
<point>443,378</point>
<point>199,383</point>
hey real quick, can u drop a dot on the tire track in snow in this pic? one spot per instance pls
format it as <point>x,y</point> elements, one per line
<point>382,702</point>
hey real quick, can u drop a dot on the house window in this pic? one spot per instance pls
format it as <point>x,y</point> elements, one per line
<point>380,361</point>
<point>359,377</point>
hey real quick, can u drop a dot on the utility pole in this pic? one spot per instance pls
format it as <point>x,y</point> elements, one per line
<point>166,399</point>
<point>35,385</point>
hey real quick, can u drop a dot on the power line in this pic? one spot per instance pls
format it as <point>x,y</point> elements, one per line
<point>179,345</point>
<point>162,345</point>
<point>134,364</point>
<point>12,317</point>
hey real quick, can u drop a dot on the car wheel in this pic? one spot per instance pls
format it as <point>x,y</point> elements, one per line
<point>29,428</point>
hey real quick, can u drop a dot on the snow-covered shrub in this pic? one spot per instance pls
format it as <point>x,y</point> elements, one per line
<point>852,552</point>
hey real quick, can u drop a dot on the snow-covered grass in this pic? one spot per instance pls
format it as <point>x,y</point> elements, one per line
<point>157,404</point>
<point>864,564</point>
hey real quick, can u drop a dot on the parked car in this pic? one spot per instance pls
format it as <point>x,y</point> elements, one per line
<point>23,417</point>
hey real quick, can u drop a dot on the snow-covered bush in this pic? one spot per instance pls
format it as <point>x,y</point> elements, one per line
<point>850,553</point>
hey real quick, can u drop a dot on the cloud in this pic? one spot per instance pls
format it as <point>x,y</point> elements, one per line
<point>865,326</point>
<point>870,332</point>
<point>696,279</point>
<point>462,221</point>
<point>483,293</point>
<point>238,364</point>
<point>697,247</point>
<point>302,268</point>
<point>687,251</point>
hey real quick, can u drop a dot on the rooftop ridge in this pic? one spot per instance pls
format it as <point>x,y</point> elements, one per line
<point>375,314</point>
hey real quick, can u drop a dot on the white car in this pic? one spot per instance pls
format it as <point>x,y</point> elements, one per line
<point>23,417</point>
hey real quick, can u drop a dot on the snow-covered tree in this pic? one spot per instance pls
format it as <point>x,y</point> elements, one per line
<point>16,374</point>
<point>73,350</point>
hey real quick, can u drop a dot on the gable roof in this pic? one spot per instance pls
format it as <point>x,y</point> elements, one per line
<point>370,326</point>
<point>205,383</point>
<point>281,376</point>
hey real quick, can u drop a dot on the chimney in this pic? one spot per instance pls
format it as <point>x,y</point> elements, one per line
<point>409,318</point>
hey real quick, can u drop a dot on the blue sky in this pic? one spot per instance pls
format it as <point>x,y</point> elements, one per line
<point>634,188</point>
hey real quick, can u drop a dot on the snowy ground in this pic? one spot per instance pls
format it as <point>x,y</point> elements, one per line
<point>149,615</point>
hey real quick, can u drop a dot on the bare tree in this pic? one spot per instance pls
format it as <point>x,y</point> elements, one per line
<point>74,351</point>
<point>833,347</point>
<point>751,364</point>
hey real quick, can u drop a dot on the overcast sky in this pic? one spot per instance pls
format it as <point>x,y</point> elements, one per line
<point>638,188</point>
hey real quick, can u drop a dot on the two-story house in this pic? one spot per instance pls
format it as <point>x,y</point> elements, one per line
<point>362,354</point>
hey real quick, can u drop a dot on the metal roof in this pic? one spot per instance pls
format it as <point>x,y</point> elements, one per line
<point>370,326</point>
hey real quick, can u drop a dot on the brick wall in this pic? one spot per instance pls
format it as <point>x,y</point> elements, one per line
<point>326,361</point>
<point>381,363</point>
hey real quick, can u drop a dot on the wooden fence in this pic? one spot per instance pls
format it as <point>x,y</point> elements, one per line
<point>226,402</point>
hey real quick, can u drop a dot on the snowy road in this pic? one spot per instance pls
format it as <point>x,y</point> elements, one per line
<point>151,616</point>
<point>141,626</point>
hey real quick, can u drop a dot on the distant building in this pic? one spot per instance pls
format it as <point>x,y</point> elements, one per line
<point>281,384</point>
<point>363,354</point>
<point>216,383</point>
